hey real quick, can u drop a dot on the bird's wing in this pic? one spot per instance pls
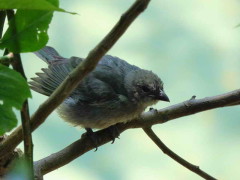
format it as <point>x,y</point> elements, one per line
<point>104,84</point>
<point>101,86</point>
<point>53,76</point>
<point>112,70</point>
<point>94,92</point>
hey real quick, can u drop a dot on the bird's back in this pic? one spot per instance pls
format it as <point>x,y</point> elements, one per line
<point>109,70</point>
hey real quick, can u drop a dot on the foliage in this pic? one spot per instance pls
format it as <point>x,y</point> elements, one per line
<point>13,92</point>
<point>26,32</point>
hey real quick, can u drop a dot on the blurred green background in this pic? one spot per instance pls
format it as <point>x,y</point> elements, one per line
<point>194,47</point>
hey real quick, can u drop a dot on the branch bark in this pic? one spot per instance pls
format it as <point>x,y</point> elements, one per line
<point>170,153</point>
<point>25,117</point>
<point>68,85</point>
<point>147,119</point>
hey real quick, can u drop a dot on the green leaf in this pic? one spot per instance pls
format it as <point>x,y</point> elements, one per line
<point>8,119</point>
<point>14,90</point>
<point>49,5</point>
<point>27,31</point>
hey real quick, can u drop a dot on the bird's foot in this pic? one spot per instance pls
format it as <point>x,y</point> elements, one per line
<point>114,132</point>
<point>92,136</point>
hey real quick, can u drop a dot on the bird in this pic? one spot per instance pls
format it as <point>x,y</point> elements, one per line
<point>114,92</point>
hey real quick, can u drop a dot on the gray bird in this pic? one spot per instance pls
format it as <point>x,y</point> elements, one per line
<point>114,92</point>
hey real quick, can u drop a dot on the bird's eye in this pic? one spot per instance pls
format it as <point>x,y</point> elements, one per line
<point>145,89</point>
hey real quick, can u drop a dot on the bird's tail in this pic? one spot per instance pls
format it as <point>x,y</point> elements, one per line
<point>49,55</point>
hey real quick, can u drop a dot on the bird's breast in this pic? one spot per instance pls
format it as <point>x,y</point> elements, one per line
<point>100,117</point>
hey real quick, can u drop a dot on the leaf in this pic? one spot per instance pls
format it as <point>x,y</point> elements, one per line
<point>27,31</point>
<point>14,90</point>
<point>8,119</point>
<point>49,5</point>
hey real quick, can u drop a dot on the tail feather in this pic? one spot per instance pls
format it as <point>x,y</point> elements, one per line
<point>49,55</point>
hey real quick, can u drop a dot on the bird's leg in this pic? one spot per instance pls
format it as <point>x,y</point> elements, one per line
<point>114,132</point>
<point>92,136</point>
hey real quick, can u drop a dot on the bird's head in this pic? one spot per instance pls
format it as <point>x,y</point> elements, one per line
<point>145,87</point>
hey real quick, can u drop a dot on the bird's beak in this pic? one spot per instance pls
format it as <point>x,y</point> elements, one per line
<point>162,96</point>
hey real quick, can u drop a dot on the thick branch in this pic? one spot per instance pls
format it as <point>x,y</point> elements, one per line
<point>76,75</point>
<point>176,157</point>
<point>147,119</point>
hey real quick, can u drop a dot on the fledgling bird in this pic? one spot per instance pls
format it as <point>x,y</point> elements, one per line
<point>113,92</point>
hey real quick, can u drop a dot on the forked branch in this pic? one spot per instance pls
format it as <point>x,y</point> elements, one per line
<point>147,119</point>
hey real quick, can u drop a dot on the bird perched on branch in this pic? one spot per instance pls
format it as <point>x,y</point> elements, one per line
<point>113,92</point>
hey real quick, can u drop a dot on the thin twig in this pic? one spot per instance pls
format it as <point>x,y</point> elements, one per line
<point>170,153</point>
<point>76,75</point>
<point>147,119</point>
<point>25,117</point>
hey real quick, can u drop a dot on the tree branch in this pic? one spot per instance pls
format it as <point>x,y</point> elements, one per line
<point>25,117</point>
<point>176,157</point>
<point>147,119</point>
<point>76,75</point>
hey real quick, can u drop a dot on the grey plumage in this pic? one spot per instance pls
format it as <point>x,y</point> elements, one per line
<point>114,92</point>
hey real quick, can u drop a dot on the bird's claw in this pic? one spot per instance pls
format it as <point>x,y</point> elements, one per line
<point>114,133</point>
<point>93,137</point>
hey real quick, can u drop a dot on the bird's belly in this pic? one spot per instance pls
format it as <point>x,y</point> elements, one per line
<point>98,118</point>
